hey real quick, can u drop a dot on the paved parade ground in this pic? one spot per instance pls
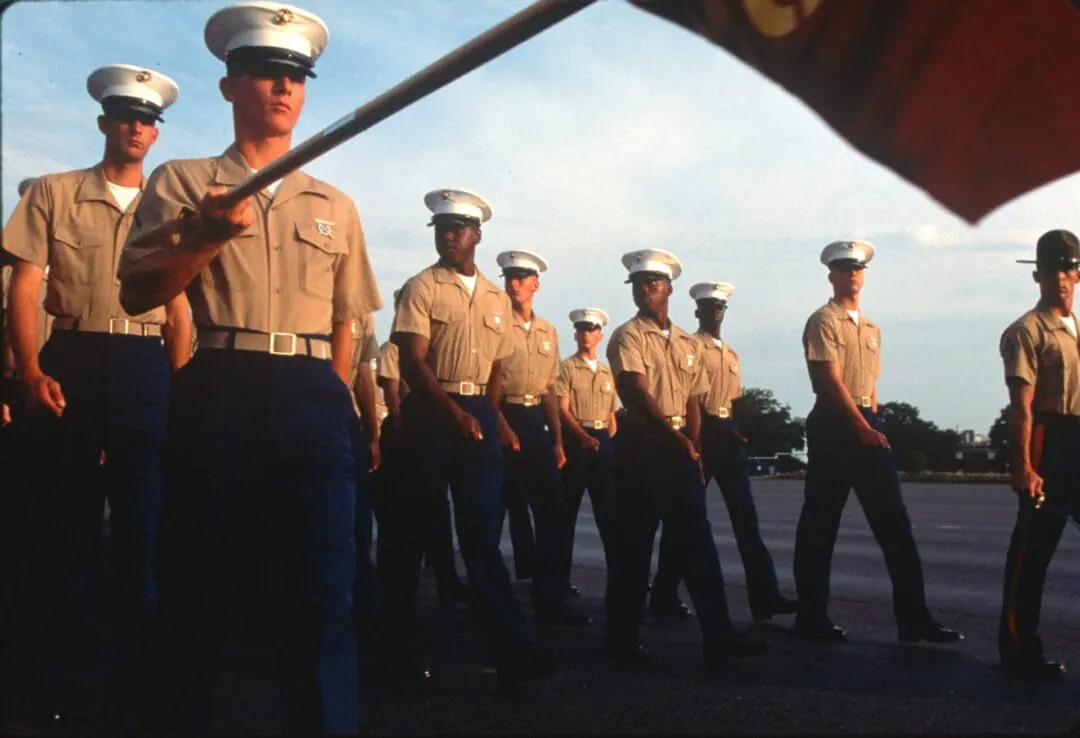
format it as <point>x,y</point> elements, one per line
<point>867,685</point>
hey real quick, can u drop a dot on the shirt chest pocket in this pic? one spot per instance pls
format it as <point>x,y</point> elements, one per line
<point>1051,358</point>
<point>317,255</point>
<point>74,255</point>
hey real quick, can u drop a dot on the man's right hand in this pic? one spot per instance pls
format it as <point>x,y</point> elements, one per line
<point>468,426</point>
<point>221,223</point>
<point>589,443</point>
<point>871,437</point>
<point>1026,483</point>
<point>687,446</point>
<point>41,389</point>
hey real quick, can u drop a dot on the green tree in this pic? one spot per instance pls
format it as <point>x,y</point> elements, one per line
<point>768,424</point>
<point>999,440</point>
<point>917,443</point>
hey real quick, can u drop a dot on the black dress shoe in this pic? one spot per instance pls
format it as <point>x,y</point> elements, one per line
<point>780,606</point>
<point>825,632</point>
<point>1034,669</point>
<point>735,647</point>
<point>930,632</point>
<point>669,609</point>
<point>572,591</point>
<point>567,618</point>
<point>626,653</point>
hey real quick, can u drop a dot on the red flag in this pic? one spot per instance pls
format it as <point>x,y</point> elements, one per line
<point>974,101</point>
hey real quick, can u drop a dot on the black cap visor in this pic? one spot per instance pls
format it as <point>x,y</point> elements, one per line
<point>132,108</point>
<point>585,326</point>
<point>847,265</point>
<point>453,220</point>
<point>268,62</point>
<point>646,277</point>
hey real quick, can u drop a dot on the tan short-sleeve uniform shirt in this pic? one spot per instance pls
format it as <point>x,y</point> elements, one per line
<point>1039,350</point>
<point>44,322</point>
<point>72,224</point>
<point>832,335</point>
<point>466,333</point>
<point>388,368</point>
<point>592,394</point>
<point>365,350</point>
<point>301,267</point>
<point>672,364</point>
<point>725,382</point>
<point>533,366</point>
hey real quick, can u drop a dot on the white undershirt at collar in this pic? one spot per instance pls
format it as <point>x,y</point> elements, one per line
<point>1070,324</point>
<point>123,195</point>
<point>593,364</point>
<point>468,282</point>
<point>854,315</point>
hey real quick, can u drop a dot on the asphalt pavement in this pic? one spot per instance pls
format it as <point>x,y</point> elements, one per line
<point>869,685</point>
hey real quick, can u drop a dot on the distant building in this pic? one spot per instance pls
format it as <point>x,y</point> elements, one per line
<point>765,466</point>
<point>974,455</point>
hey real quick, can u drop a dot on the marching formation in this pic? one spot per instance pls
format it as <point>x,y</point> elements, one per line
<point>213,373</point>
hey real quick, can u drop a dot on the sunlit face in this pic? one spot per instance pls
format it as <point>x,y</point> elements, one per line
<point>455,241</point>
<point>710,313</point>
<point>651,292</point>
<point>1057,286</point>
<point>128,135</point>
<point>846,279</point>
<point>267,100</point>
<point>587,336</point>
<point>522,287</point>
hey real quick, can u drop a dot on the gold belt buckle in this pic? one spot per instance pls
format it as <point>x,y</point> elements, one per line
<point>864,402</point>
<point>467,389</point>
<point>677,422</point>
<point>723,413</point>
<point>291,351</point>
<point>116,321</point>
<point>529,400</point>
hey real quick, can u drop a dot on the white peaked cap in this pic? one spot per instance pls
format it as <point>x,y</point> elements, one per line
<point>458,202</point>
<point>861,252</point>
<point>596,316</point>
<point>519,259</point>
<point>712,291</point>
<point>154,89</point>
<point>653,260</point>
<point>282,30</point>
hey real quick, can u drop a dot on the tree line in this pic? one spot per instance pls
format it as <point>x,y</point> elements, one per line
<point>919,444</point>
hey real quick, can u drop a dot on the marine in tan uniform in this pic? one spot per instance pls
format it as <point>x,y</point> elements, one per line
<point>848,450</point>
<point>450,591</point>
<point>452,328</point>
<point>1041,354</point>
<point>659,376</point>
<point>366,450</point>
<point>262,476</point>
<point>99,384</point>
<point>10,393</point>
<point>534,453</point>
<point>587,405</point>
<point>723,453</point>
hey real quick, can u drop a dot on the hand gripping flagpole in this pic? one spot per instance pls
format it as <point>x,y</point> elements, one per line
<point>494,42</point>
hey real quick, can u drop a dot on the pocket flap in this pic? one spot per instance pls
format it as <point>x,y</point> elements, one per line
<point>309,233</point>
<point>70,236</point>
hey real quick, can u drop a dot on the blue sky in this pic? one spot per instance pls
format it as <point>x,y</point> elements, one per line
<point>610,132</point>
